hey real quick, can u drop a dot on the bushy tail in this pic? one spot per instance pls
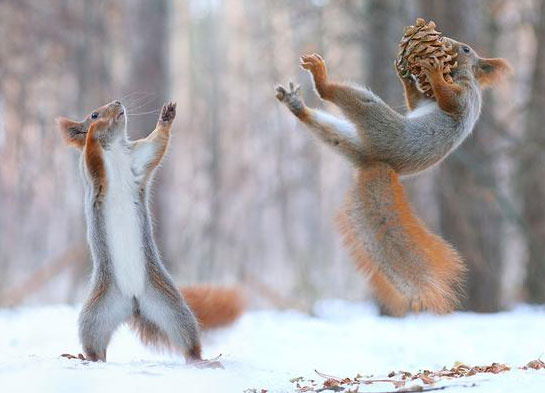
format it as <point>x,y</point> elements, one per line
<point>214,306</point>
<point>409,267</point>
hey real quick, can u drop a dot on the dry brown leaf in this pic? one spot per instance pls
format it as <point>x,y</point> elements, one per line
<point>427,379</point>
<point>305,389</point>
<point>537,364</point>
<point>330,382</point>
<point>398,384</point>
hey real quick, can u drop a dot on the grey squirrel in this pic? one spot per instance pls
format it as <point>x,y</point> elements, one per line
<point>129,281</point>
<point>409,267</point>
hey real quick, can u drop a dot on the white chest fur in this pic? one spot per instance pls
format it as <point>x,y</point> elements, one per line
<point>423,109</point>
<point>123,226</point>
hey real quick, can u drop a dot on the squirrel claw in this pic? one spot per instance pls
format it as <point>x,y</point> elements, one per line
<point>280,93</point>
<point>313,63</point>
<point>71,357</point>
<point>432,65</point>
<point>207,363</point>
<point>284,95</point>
<point>291,97</point>
<point>168,113</point>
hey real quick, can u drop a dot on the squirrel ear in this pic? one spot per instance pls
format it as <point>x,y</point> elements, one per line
<point>73,132</point>
<point>491,71</point>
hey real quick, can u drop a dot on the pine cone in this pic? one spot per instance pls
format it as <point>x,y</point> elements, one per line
<point>421,42</point>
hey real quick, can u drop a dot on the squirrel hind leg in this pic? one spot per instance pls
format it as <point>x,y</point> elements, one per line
<point>150,334</point>
<point>165,321</point>
<point>386,293</point>
<point>99,318</point>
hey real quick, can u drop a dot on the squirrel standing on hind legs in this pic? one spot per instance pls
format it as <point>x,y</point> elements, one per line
<point>129,281</point>
<point>409,267</point>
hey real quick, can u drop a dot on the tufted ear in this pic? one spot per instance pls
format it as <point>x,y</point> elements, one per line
<point>73,132</point>
<point>491,71</point>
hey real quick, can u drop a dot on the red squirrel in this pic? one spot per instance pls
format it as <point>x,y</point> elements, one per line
<point>409,267</point>
<point>129,281</point>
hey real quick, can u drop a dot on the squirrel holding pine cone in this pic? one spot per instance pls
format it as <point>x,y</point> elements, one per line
<point>409,266</point>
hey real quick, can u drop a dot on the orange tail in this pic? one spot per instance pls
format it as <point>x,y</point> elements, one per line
<point>409,267</point>
<point>214,306</point>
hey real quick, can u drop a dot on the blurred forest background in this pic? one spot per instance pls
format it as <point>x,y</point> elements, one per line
<point>246,195</point>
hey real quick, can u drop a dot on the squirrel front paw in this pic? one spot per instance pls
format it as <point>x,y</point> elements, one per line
<point>315,64</point>
<point>404,76</point>
<point>291,98</point>
<point>432,66</point>
<point>168,113</point>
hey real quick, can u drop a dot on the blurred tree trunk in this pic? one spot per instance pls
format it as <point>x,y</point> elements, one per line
<point>147,33</point>
<point>469,217</point>
<point>301,198</point>
<point>381,49</point>
<point>213,98</point>
<point>532,171</point>
<point>94,77</point>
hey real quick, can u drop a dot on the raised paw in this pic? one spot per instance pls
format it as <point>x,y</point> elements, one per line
<point>292,98</point>
<point>286,96</point>
<point>168,113</point>
<point>432,66</point>
<point>316,65</point>
<point>404,75</point>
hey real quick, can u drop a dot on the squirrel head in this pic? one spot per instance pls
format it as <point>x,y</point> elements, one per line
<point>112,125</point>
<point>487,72</point>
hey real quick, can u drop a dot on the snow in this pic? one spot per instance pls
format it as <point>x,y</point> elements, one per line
<point>265,349</point>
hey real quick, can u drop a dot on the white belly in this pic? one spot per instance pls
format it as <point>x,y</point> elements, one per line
<point>123,227</point>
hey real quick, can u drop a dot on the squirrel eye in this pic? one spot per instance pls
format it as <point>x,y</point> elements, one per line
<point>94,115</point>
<point>466,49</point>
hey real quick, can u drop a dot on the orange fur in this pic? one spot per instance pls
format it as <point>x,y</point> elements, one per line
<point>99,291</point>
<point>446,94</point>
<point>94,160</point>
<point>69,132</point>
<point>383,289</point>
<point>490,71</point>
<point>316,65</point>
<point>444,263</point>
<point>430,269</point>
<point>214,306</point>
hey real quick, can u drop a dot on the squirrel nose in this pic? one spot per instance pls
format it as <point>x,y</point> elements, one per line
<point>117,103</point>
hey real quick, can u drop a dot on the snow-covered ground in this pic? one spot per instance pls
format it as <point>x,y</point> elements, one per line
<point>265,349</point>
